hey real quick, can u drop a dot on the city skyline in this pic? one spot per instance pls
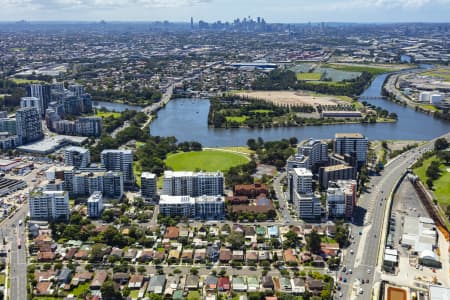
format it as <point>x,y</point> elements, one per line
<point>289,11</point>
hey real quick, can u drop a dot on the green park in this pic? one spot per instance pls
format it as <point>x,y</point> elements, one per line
<point>206,160</point>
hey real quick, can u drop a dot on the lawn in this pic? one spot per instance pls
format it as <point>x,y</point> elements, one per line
<point>240,119</point>
<point>261,111</point>
<point>429,107</point>
<point>194,295</point>
<point>441,186</point>
<point>328,240</point>
<point>242,149</point>
<point>2,279</point>
<point>359,68</point>
<point>443,73</point>
<point>309,76</point>
<point>134,294</point>
<point>207,160</point>
<point>330,83</point>
<point>81,289</point>
<point>24,81</point>
<point>107,114</point>
<point>137,170</point>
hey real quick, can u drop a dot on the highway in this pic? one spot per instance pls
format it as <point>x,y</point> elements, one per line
<point>369,224</point>
<point>12,232</point>
<point>17,257</point>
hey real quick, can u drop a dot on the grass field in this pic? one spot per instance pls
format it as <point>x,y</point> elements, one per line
<point>429,107</point>
<point>309,76</point>
<point>261,111</point>
<point>330,83</point>
<point>207,160</point>
<point>443,73</point>
<point>441,185</point>
<point>24,81</point>
<point>107,114</point>
<point>375,70</point>
<point>238,119</point>
<point>245,150</point>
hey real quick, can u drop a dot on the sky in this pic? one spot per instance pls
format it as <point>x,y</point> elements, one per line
<point>284,11</point>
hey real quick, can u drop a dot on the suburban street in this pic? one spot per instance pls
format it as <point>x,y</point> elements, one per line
<point>284,205</point>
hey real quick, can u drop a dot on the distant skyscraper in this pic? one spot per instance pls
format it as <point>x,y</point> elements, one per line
<point>192,23</point>
<point>42,92</point>
<point>28,125</point>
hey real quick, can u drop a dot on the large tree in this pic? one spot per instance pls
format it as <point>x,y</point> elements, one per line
<point>440,144</point>
<point>313,242</point>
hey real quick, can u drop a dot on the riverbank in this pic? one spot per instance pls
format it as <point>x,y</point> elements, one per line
<point>393,94</point>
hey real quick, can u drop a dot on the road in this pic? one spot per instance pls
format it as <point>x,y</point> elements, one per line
<point>12,232</point>
<point>149,110</point>
<point>17,257</point>
<point>281,196</point>
<point>368,226</point>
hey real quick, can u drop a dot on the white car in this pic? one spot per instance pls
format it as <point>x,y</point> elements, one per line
<point>368,271</point>
<point>361,290</point>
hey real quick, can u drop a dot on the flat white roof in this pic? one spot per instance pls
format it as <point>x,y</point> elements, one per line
<point>391,252</point>
<point>168,199</point>
<point>439,292</point>
<point>148,175</point>
<point>391,258</point>
<point>7,162</point>
<point>302,172</point>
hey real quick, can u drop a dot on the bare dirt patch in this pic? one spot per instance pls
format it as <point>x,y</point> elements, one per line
<point>292,98</point>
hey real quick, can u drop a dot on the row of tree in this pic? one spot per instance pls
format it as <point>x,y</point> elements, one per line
<point>281,79</point>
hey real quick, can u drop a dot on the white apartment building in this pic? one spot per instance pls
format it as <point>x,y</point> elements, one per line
<point>119,161</point>
<point>307,205</point>
<point>193,183</point>
<point>203,207</point>
<point>352,143</point>
<point>148,185</point>
<point>49,205</point>
<point>302,180</point>
<point>177,206</point>
<point>95,205</point>
<point>77,156</point>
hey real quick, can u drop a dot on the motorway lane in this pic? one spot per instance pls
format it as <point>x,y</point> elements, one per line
<point>11,230</point>
<point>369,221</point>
<point>17,257</point>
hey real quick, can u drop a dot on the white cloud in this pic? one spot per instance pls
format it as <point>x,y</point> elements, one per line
<point>76,4</point>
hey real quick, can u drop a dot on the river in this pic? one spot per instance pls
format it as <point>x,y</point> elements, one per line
<point>186,119</point>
